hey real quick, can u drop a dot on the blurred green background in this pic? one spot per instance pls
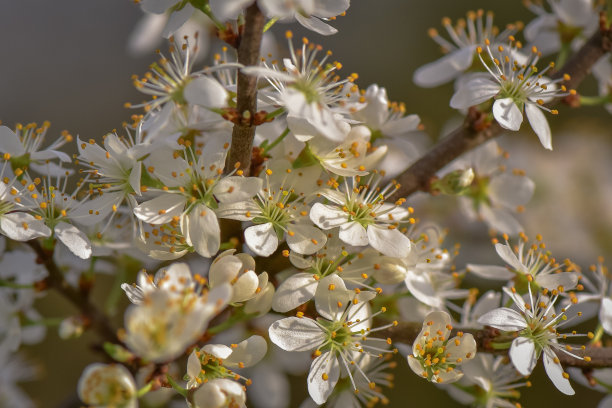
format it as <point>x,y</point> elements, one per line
<point>66,61</point>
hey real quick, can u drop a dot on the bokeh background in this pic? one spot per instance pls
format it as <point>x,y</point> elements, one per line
<point>66,61</point>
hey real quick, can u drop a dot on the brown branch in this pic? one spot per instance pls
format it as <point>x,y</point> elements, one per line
<point>407,332</point>
<point>95,318</point>
<point>246,99</point>
<point>474,132</point>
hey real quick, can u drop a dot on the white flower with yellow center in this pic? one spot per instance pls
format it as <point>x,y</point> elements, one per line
<point>308,13</point>
<point>193,187</point>
<point>315,98</point>
<point>435,356</point>
<point>529,263</point>
<point>515,86</point>
<point>215,361</point>
<point>465,36</point>
<point>338,337</point>
<point>536,323</point>
<point>15,220</point>
<point>364,217</point>
<point>277,213</point>
<point>23,148</point>
<point>107,385</point>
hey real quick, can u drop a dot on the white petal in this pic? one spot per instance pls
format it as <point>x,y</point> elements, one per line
<point>261,239</point>
<point>555,372</point>
<point>161,209</point>
<point>94,211</point>
<point>523,355</point>
<point>332,297</point>
<point>504,319</point>
<point>248,352</point>
<point>511,190</point>
<point>76,241</point>
<point>500,220</point>
<point>234,188</point>
<point>421,287</point>
<point>466,349</point>
<point>296,334</point>
<point>177,19</point>
<point>474,92</point>
<point>206,92</point>
<point>21,226</point>
<point>327,216</point>
<point>293,292</point>
<point>390,242</point>
<point>605,315</point>
<point>262,302</point>
<point>490,271</point>
<point>245,286</point>
<point>505,252</point>
<point>539,124</point>
<point>325,365</point>
<point>224,270</point>
<point>507,114</point>
<point>552,281</point>
<point>316,25</point>
<point>203,230</point>
<point>353,233</point>
<point>444,69</point>
<point>306,239</point>
<point>218,350</point>
<point>10,143</point>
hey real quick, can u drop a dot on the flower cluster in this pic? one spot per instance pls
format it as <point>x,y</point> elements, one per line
<point>303,255</point>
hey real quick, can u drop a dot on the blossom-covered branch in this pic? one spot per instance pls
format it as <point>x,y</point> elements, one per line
<point>476,131</point>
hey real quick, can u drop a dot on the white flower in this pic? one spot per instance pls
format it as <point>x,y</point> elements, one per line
<point>217,360</point>
<point>58,209</point>
<point>239,271</point>
<point>226,10</point>
<point>570,23</point>
<point>277,213</point>
<point>107,385</point>
<point>355,156</point>
<point>494,193</point>
<point>13,369</point>
<point>220,393</point>
<point>172,80</point>
<point>488,382</point>
<point>338,337</point>
<point>363,216</point>
<point>15,222</point>
<point>194,186</point>
<point>161,327</point>
<point>599,379</point>
<point>118,168</point>
<point>179,12</point>
<point>391,129</point>
<point>529,262</point>
<point>460,50</point>
<point>23,148</point>
<point>311,92</point>
<point>536,323</point>
<point>516,87</point>
<point>435,356</point>
<point>307,12</point>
